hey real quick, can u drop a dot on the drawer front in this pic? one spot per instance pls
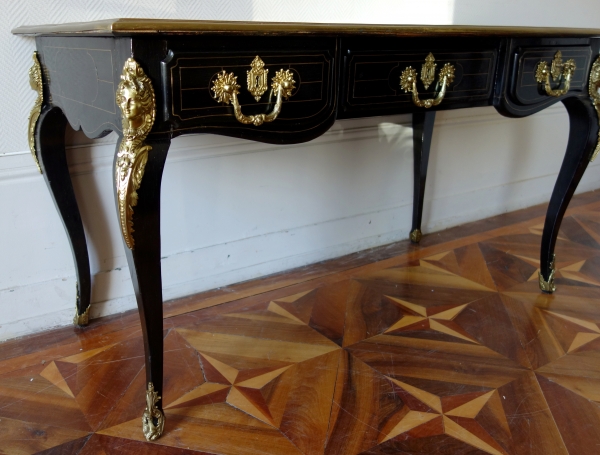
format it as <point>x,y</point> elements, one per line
<point>373,81</point>
<point>526,90</point>
<point>192,103</point>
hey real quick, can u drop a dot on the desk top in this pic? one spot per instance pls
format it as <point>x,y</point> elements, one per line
<point>127,26</point>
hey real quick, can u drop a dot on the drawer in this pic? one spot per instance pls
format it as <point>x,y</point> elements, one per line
<point>373,77</point>
<point>526,90</point>
<point>191,78</point>
<point>520,94</point>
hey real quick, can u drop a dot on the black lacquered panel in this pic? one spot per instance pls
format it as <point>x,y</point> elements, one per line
<point>373,78</point>
<point>192,81</point>
<point>528,91</point>
<point>81,75</point>
<point>191,103</point>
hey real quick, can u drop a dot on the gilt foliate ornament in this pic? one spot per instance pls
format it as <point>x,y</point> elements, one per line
<point>408,78</point>
<point>153,420</point>
<point>285,80</point>
<point>35,81</point>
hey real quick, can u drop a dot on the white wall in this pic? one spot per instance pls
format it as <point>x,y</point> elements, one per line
<point>235,210</point>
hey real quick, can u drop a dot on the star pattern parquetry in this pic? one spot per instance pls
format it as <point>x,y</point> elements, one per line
<point>247,390</point>
<point>448,349</point>
<point>581,331</point>
<point>454,416</point>
<point>439,319</point>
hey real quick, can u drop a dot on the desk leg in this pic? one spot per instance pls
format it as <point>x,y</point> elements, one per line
<point>422,133</point>
<point>50,144</point>
<point>144,267</point>
<point>583,135</point>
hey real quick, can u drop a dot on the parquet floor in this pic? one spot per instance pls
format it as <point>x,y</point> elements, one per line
<point>446,348</point>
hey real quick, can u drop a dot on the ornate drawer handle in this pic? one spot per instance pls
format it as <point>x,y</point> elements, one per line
<point>558,71</point>
<point>408,81</point>
<point>226,91</point>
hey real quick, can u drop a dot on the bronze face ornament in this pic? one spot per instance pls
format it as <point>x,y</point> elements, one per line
<point>135,97</point>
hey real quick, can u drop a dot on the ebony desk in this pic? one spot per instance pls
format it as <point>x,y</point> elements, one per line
<point>152,80</point>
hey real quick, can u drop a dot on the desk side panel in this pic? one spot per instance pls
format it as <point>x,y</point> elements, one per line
<point>80,77</point>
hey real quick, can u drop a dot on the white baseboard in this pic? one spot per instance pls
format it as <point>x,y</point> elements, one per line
<point>34,299</point>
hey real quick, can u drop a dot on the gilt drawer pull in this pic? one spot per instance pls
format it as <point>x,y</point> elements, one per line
<point>558,71</point>
<point>226,90</point>
<point>408,81</point>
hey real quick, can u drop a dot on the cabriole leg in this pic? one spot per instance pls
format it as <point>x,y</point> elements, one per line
<point>138,168</point>
<point>583,135</point>
<point>50,145</point>
<point>144,265</point>
<point>422,133</point>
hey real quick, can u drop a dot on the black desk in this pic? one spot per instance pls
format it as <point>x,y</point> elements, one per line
<point>152,80</point>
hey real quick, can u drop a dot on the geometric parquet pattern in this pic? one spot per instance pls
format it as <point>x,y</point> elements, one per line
<point>447,348</point>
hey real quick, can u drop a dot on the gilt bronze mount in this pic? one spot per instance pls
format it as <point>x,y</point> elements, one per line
<point>153,420</point>
<point>428,70</point>
<point>84,318</point>
<point>548,285</point>
<point>416,236</point>
<point>257,78</point>
<point>135,98</point>
<point>594,90</point>
<point>35,80</point>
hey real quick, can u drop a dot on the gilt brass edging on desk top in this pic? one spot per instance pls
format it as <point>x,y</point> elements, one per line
<point>131,26</point>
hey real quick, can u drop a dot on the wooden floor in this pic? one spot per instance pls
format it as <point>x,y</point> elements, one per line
<point>444,348</point>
